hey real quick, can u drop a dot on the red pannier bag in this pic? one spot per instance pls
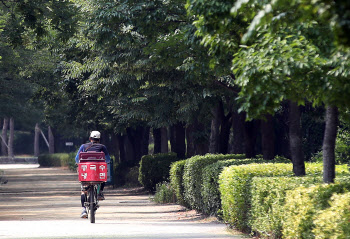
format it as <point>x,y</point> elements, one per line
<point>92,167</point>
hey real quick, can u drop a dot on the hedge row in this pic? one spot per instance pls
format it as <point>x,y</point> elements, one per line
<point>176,181</point>
<point>258,196</point>
<point>268,199</point>
<point>334,222</point>
<point>303,207</point>
<point>210,187</point>
<point>57,160</point>
<point>155,169</point>
<point>238,195</point>
<point>192,176</point>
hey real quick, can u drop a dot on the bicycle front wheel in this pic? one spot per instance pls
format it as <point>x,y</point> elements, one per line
<point>92,204</point>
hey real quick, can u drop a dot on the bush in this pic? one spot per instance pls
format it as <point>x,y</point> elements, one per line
<point>155,169</point>
<point>176,181</point>
<point>268,199</point>
<point>57,160</point>
<point>210,178</point>
<point>342,149</point>
<point>164,193</point>
<point>192,178</point>
<point>235,181</point>
<point>303,206</point>
<point>131,177</point>
<point>234,186</point>
<point>334,222</point>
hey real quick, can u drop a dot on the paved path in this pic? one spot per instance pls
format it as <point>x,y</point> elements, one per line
<point>45,203</point>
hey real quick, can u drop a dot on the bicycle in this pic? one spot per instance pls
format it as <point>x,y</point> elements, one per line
<point>92,170</point>
<point>91,200</point>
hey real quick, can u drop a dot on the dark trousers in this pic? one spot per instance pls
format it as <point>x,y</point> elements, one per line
<point>83,194</point>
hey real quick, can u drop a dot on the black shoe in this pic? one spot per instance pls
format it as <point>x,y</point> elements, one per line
<point>100,197</point>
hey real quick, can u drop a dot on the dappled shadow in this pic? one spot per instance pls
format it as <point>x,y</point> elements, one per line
<point>45,193</point>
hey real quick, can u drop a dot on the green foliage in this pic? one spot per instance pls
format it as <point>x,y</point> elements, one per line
<point>334,222</point>
<point>155,169</point>
<point>192,178</point>
<point>342,148</point>
<point>304,205</point>
<point>125,173</point>
<point>268,199</point>
<point>131,177</point>
<point>263,85</point>
<point>176,181</point>
<point>164,193</point>
<point>235,187</point>
<point>57,160</point>
<point>210,178</point>
<point>282,12</point>
<point>29,21</point>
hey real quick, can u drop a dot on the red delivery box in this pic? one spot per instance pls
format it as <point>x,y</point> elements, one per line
<point>92,167</point>
<point>92,171</point>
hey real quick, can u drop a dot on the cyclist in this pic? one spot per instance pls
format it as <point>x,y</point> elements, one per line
<point>93,146</point>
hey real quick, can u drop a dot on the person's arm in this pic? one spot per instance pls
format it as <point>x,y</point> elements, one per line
<point>108,158</point>
<point>77,156</point>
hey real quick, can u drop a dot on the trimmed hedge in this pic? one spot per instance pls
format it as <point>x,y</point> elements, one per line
<point>192,178</point>
<point>210,186</point>
<point>155,169</point>
<point>210,178</point>
<point>304,205</point>
<point>57,160</point>
<point>176,181</point>
<point>334,222</point>
<point>235,182</point>
<point>234,186</point>
<point>268,199</point>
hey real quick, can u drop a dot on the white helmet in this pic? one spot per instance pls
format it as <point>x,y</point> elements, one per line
<point>95,134</point>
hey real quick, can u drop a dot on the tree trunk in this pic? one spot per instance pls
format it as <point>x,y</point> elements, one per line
<point>238,120</point>
<point>172,137</point>
<point>138,139</point>
<point>201,142</point>
<point>225,133</point>
<point>36,141</point>
<point>130,154</point>
<point>330,135</point>
<point>179,143</point>
<point>51,141</point>
<point>4,151</point>
<point>121,140</point>
<point>145,140</point>
<point>190,140</point>
<point>164,138</point>
<point>157,136</point>
<point>115,149</point>
<point>214,130</point>
<point>11,137</point>
<point>268,137</point>
<point>250,138</point>
<point>295,140</point>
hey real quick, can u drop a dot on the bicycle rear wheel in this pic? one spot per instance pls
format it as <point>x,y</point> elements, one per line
<point>92,204</point>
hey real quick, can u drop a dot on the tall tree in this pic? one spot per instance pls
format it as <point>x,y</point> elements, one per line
<point>4,137</point>
<point>328,87</point>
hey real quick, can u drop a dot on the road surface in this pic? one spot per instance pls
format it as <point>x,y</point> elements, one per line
<point>45,203</point>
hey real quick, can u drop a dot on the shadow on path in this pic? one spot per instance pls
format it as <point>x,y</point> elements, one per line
<point>40,201</point>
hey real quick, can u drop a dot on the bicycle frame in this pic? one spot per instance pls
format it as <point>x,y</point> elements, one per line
<point>91,200</point>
